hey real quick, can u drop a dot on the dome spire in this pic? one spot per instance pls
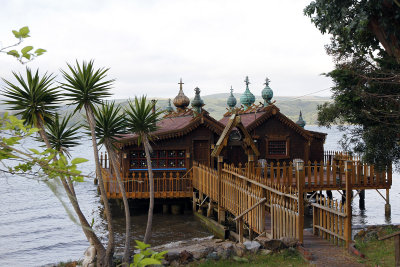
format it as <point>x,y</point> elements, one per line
<point>300,121</point>
<point>247,99</point>
<point>231,102</point>
<point>267,93</point>
<point>181,101</point>
<point>169,108</point>
<point>197,102</point>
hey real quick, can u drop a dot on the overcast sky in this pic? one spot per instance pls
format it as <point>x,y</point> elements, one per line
<point>149,45</point>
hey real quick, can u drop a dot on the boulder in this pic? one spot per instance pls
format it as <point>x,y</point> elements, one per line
<point>274,245</point>
<point>213,256</point>
<point>290,242</point>
<point>252,246</point>
<point>265,252</point>
<point>90,256</point>
<point>239,249</point>
<point>185,257</point>
<point>201,251</point>
<point>360,234</point>
<point>172,256</point>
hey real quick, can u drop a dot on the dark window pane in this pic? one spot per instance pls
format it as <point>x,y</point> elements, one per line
<point>171,163</point>
<point>161,163</point>
<point>134,154</point>
<point>162,154</point>
<point>142,154</point>
<point>181,163</point>
<point>171,154</point>
<point>181,153</point>
<point>143,164</point>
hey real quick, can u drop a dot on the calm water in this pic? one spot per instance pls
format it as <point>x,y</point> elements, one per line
<point>35,228</point>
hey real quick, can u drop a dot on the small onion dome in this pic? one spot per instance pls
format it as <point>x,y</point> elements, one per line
<point>231,102</point>
<point>301,122</point>
<point>197,102</point>
<point>267,93</point>
<point>181,101</point>
<point>169,108</point>
<point>247,99</point>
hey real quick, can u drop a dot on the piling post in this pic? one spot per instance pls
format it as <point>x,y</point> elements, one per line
<point>194,202</point>
<point>348,171</point>
<point>362,199</point>
<point>387,205</point>
<point>300,189</point>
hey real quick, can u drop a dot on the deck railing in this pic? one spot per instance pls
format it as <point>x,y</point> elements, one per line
<point>169,185</point>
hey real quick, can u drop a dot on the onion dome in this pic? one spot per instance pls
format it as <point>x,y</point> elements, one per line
<point>267,93</point>
<point>181,101</point>
<point>169,108</point>
<point>301,122</point>
<point>197,102</point>
<point>247,99</point>
<point>231,102</point>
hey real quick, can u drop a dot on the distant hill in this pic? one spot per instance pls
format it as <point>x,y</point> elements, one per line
<point>215,104</point>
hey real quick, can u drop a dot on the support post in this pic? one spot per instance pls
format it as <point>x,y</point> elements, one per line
<point>250,163</point>
<point>387,205</point>
<point>194,202</point>
<point>362,199</point>
<point>221,213</point>
<point>300,189</point>
<point>210,208</point>
<point>348,170</point>
<point>240,230</point>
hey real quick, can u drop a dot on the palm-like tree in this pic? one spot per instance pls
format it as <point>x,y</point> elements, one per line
<point>110,124</point>
<point>62,138</point>
<point>86,87</point>
<point>35,99</point>
<point>142,120</point>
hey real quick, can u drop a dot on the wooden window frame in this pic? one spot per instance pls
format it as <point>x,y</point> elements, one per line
<point>281,138</point>
<point>167,158</point>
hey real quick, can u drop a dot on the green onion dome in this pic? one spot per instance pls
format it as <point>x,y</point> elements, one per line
<point>267,93</point>
<point>169,108</point>
<point>247,99</point>
<point>197,102</point>
<point>231,102</point>
<point>300,121</point>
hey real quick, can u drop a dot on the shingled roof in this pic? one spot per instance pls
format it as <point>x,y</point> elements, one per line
<point>176,124</point>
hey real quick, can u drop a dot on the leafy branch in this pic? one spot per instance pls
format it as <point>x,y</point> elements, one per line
<point>26,54</point>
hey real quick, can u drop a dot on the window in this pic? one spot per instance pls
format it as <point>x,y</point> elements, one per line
<point>277,148</point>
<point>160,160</point>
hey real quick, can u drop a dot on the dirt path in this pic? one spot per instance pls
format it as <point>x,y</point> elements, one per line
<point>327,254</point>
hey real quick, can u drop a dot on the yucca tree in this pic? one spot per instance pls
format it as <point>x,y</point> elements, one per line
<point>86,87</point>
<point>110,124</point>
<point>142,120</point>
<point>62,138</point>
<point>35,99</point>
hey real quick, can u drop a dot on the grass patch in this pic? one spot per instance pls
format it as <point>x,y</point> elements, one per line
<point>377,252</point>
<point>284,258</point>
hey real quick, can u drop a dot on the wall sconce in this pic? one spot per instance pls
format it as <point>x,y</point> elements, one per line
<point>187,155</point>
<point>299,163</point>
<point>124,155</point>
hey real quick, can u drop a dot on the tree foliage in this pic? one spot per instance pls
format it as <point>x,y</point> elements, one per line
<point>27,53</point>
<point>365,45</point>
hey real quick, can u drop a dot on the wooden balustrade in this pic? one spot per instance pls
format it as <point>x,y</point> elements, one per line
<point>330,221</point>
<point>170,185</point>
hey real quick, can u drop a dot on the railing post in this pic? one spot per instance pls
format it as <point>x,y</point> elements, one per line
<point>250,165</point>
<point>241,229</point>
<point>221,213</point>
<point>348,171</point>
<point>300,189</point>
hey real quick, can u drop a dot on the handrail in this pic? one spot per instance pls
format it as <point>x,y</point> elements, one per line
<point>389,236</point>
<point>260,185</point>
<point>251,208</point>
<point>344,215</point>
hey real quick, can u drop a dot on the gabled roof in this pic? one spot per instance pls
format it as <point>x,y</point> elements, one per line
<point>258,114</point>
<point>234,122</point>
<point>176,124</point>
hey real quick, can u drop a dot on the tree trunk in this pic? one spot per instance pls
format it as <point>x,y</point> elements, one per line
<point>110,246</point>
<point>116,168</point>
<point>147,149</point>
<point>70,191</point>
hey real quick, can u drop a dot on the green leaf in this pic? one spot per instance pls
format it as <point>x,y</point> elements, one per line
<point>137,258</point>
<point>40,51</point>
<point>141,245</point>
<point>13,53</point>
<point>149,261</point>
<point>24,32</point>
<point>78,160</point>
<point>26,49</point>
<point>16,34</point>
<point>34,151</point>
<point>27,56</point>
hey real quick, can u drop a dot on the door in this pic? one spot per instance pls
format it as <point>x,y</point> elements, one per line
<point>201,152</point>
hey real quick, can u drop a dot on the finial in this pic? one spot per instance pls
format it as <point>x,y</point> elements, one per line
<point>247,99</point>
<point>301,122</point>
<point>267,93</point>
<point>181,101</point>
<point>169,108</point>
<point>231,101</point>
<point>197,102</point>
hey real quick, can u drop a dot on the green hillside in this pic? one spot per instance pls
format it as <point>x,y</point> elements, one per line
<point>215,104</point>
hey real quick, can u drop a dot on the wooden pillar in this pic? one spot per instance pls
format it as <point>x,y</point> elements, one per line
<point>221,212</point>
<point>387,205</point>
<point>210,208</point>
<point>194,202</point>
<point>348,170</point>
<point>362,199</point>
<point>397,250</point>
<point>300,189</point>
<point>240,229</point>
<point>250,162</point>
